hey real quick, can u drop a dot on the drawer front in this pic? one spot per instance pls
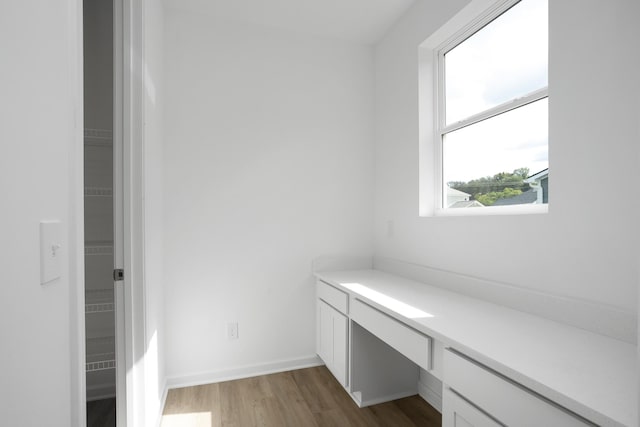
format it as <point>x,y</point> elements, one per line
<point>409,342</point>
<point>333,296</point>
<point>457,412</point>
<point>504,400</point>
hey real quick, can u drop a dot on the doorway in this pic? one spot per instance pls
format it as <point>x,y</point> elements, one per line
<point>104,355</point>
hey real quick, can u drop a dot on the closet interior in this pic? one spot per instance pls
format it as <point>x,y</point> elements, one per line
<point>98,203</point>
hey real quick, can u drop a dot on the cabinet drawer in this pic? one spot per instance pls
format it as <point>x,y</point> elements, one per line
<point>506,401</point>
<point>409,342</point>
<point>333,296</point>
<point>457,412</point>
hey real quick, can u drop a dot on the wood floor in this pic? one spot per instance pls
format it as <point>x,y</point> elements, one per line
<point>306,397</point>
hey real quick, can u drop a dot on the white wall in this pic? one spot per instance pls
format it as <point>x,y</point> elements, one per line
<point>153,187</point>
<point>40,133</point>
<point>585,248</point>
<point>268,164</point>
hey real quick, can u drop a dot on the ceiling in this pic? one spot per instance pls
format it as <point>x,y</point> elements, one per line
<point>359,21</point>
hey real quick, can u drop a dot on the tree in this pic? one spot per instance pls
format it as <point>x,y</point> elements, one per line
<point>490,198</point>
<point>488,189</point>
<point>523,172</point>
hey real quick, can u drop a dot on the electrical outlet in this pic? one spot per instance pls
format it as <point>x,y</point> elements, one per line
<point>232,330</point>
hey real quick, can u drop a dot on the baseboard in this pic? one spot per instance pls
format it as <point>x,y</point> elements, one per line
<point>237,373</point>
<point>432,397</point>
<point>163,401</point>
<point>357,397</point>
<point>592,316</point>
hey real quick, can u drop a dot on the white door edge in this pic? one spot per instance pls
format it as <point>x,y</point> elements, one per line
<point>118,210</point>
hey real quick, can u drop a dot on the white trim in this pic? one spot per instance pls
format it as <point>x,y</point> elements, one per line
<point>538,175</point>
<point>473,23</point>
<point>496,111</point>
<point>163,401</point>
<point>432,397</point>
<point>133,208</point>
<point>459,23</point>
<point>117,138</point>
<point>78,392</point>
<point>240,372</point>
<point>430,387</point>
<point>357,396</point>
<point>428,151</point>
<point>432,126</point>
<point>530,209</point>
<point>430,168</point>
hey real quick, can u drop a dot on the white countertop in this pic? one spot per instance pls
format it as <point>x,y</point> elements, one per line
<point>593,375</point>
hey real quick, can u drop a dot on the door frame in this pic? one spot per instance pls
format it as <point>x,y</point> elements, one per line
<point>132,92</point>
<point>128,126</point>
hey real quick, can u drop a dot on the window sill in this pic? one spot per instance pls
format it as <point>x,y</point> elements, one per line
<point>493,210</point>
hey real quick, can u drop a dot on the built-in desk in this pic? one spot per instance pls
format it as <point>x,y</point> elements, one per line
<point>474,347</point>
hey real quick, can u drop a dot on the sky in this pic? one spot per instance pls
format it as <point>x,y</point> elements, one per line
<point>507,59</point>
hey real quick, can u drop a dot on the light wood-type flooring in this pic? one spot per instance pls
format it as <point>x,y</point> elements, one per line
<point>305,397</point>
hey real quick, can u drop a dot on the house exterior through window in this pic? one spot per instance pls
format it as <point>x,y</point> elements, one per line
<point>492,110</point>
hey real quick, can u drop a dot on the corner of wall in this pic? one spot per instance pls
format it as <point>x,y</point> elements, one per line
<point>341,262</point>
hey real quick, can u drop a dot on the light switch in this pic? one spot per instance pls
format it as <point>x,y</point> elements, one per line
<point>50,251</point>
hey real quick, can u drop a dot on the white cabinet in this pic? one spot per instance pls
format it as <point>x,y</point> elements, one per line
<point>333,332</point>
<point>411,343</point>
<point>460,413</point>
<point>352,341</point>
<point>521,381</point>
<point>332,345</point>
<point>495,397</point>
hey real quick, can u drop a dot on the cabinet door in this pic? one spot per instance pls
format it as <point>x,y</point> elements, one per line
<point>325,333</point>
<point>457,412</point>
<point>332,340</point>
<point>340,346</point>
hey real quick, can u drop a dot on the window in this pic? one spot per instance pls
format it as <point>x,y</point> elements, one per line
<point>491,129</point>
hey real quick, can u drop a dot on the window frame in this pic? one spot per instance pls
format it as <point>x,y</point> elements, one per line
<point>440,127</point>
